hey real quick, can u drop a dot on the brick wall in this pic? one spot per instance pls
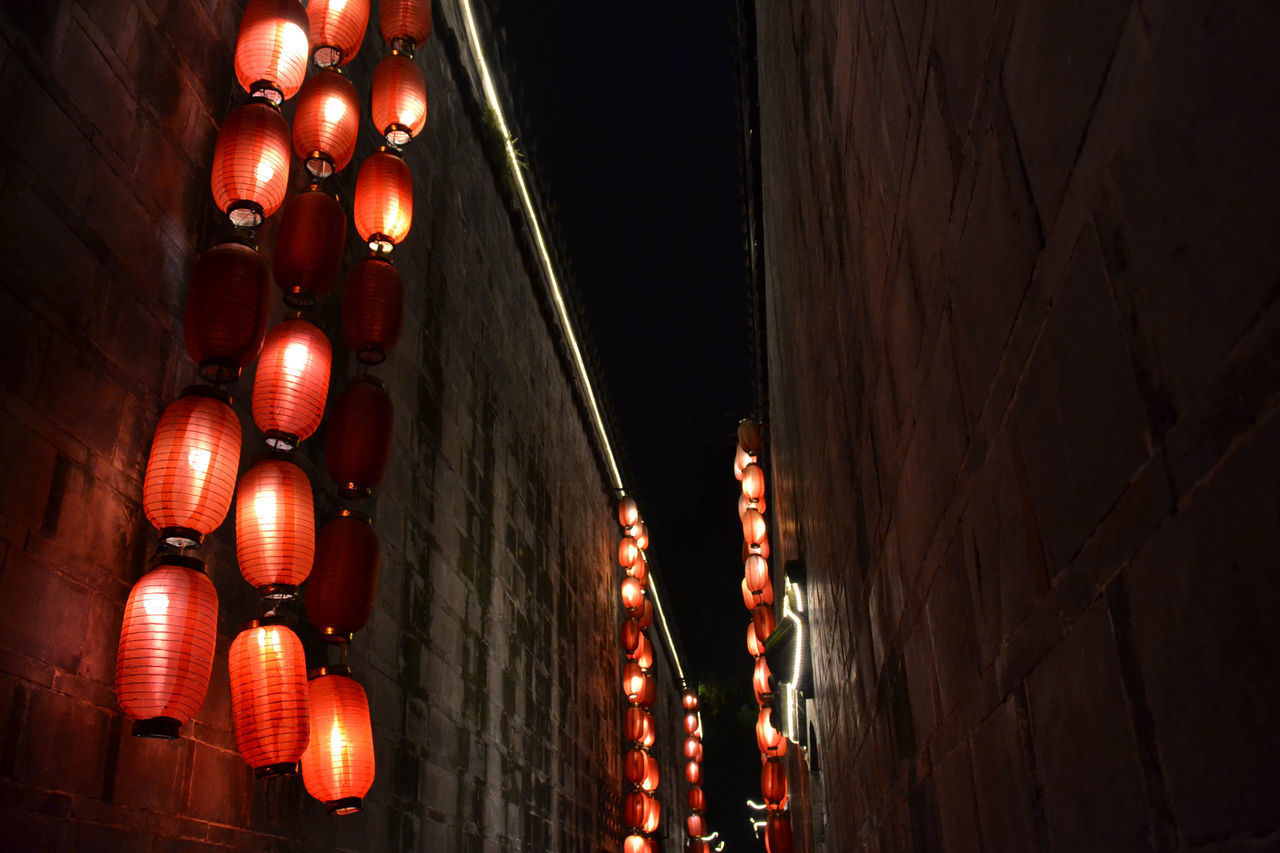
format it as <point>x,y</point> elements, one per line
<point>1024,317</point>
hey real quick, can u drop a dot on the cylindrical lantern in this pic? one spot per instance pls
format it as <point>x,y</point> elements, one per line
<point>271,50</point>
<point>269,697</point>
<point>399,99</point>
<point>690,700</point>
<point>691,745</point>
<point>191,473</point>
<point>755,648</point>
<point>226,314</point>
<point>753,482</point>
<point>166,646</point>
<point>753,527</point>
<point>769,739</point>
<point>633,682</point>
<point>777,835</point>
<point>634,764</point>
<point>628,512</point>
<point>405,24</point>
<point>762,621</point>
<point>326,123</point>
<point>372,309</point>
<point>630,634</point>
<point>309,244</point>
<point>773,784</point>
<point>384,201</point>
<point>291,383</point>
<point>340,592</point>
<point>650,781</point>
<point>337,28</point>
<point>275,526</point>
<point>338,766</point>
<point>359,441</point>
<point>653,812</point>
<point>697,799</point>
<point>756,572</point>
<point>691,723</point>
<point>749,436</point>
<point>251,164</point>
<point>761,681</point>
<point>693,772</point>
<point>696,824</point>
<point>632,594</point>
<point>628,553</point>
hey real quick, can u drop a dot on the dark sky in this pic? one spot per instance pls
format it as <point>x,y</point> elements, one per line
<point>628,115</point>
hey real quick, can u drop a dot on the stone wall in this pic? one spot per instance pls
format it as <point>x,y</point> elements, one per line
<point>1024,318</point>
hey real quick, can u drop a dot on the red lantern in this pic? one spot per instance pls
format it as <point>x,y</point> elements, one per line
<point>650,781</point>
<point>337,28</point>
<point>635,806</point>
<point>689,700</point>
<point>632,594</point>
<point>405,24</point>
<point>634,764</point>
<point>697,799</point>
<point>755,648</point>
<point>633,682</point>
<point>275,527</point>
<point>226,316</point>
<point>691,724</point>
<point>166,646</point>
<point>628,512</point>
<point>628,553</point>
<point>760,681</point>
<point>756,572</point>
<point>777,835</point>
<point>645,616</point>
<point>251,164</point>
<point>291,383</point>
<point>359,442</point>
<point>338,765</point>
<point>399,99</point>
<point>693,773</point>
<point>384,201</point>
<point>341,589</point>
<point>749,436</point>
<point>652,812</point>
<point>269,698</point>
<point>309,243</point>
<point>762,621</point>
<point>326,123</point>
<point>753,527</point>
<point>191,473</point>
<point>630,636</point>
<point>773,784</point>
<point>696,824</point>
<point>373,309</point>
<point>753,482</point>
<point>769,739</point>
<point>691,746</point>
<point>271,50</point>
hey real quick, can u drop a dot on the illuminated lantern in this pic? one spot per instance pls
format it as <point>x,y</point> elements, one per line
<point>753,527</point>
<point>630,636</point>
<point>340,591</point>
<point>696,824</point>
<point>634,764</point>
<point>271,49</point>
<point>760,681</point>
<point>275,527</point>
<point>634,807</point>
<point>697,799</point>
<point>628,512</point>
<point>753,482</point>
<point>336,28</point>
<point>166,646</point>
<point>754,647</point>
<point>690,700</point>
<point>749,436</point>
<point>338,765</point>
<point>693,773</point>
<point>650,695</point>
<point>251,164</point>
<point>653,813</point>
<point>636,844</point>
<point>628,553</point>
<point>638,725</point>
<point>633,682</point>
<point>269,697</point>
<point>405,24</point>
<point>773,784</point>
<point>399,99</point>
<point>226,314</point>
<point>372,309</point>
<point>384,201</point>
<point>762,621</point>
<point>632,594</point>
<point>326,123</point>
<point>309,245</point>
<point>691,723</point>
<point>756,572</point>
<point>191,472</point>
<point>645,616</point>
<point>650,781</point>
<point>639,570</point>
<point>291,383</point>
<point>691,745</point>
<point>769,739</point>
<point>359,442</point>
<point>777,835</point>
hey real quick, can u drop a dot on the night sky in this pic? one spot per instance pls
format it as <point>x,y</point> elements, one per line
<point>628,116</point>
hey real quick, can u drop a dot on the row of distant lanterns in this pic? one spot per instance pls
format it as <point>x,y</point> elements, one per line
<point>757,595</point>
<point>282,720</point>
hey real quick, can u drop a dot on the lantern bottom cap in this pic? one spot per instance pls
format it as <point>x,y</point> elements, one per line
<point>162,728</point>
<point>283,768</point>
<point>336,636</point>
<point>278,591</point>
<point>346,805</point>
<point>181,537</point>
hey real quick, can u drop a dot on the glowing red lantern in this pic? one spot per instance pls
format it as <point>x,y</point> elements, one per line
<point>773,784</point>
<point>275,527</point>
<point>777,835</point>
<point>359,442</point>
<point>271,49</point>
<point>226,315</point>
<point>251,164</point>
<point>754,647</point>
<point>769,739</point>
<point>326,123</point>
<point>628,512</point>
<point>633,682</point>
<point>697,799</point>
<point>291,383</point>
<point>399,99</point>
<point>691,724</point>
<point>634,764</point>
<point>269,697</point>
<point>338,764</point>
<point>753,482</point>
<point>341,588</point>
<point>166,646</point>
<point>650,781</point>
<point>405,24</point>
<point>760,681</point>
<point>652,813</point>
<point>690,700</point>
<point>191,473</point>
<point>756,572</point>
<point>632,594</point>
<point>691,746</point>
<point>384,201</point>
<point>693,773</point>
<point>630,636</point>
<point>753,527</point>
<point>696,824</point>
<point>645,615</point>
<point>337,28</point>
<point>373,309</point>
<point>762,621</point>
<point>309,244</point>
<point>628,553</point>
<point>749,436</point>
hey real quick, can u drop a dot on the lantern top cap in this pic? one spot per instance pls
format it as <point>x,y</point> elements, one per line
<point>180,560</point>
<point>210,391</point>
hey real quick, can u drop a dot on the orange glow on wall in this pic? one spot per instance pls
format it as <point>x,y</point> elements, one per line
<point>769,740</point>
<point>384,201</point>
<point>404,19</point>
<point>309,243</point>
<point>226,313</point>
<point>275,527</point>
<point>269,698</point>
<point>399,99</point>
<point>773,784</point>
<point>338,763</point>
<point>272,47</point>
<point>373,309</point>
<point>336,29</point>
<point>753,482</point>
<point>250,164</point>
<point>358,446</point>
<point>326,123</point>
<point>340,592</point>
<point>292,382</point>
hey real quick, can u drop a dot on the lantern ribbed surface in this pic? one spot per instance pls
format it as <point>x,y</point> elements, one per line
<point>340,593</point>
<point>275,524</point>
<point>398,101</point>
<point>384,201</point>
<point>167,644</point>
<point>337,28</point>
<point>292,382</point>
<point>338,764</point>
<point>226,313</point>
<point>372,309</point>
<point>251,164</point>
<point>326,123</point>
<point>191,473</point>
<point>309,243</point>
<point>269,698</point>
<point>358,445</point>
<point>404,19</point>
<point>272,46</point>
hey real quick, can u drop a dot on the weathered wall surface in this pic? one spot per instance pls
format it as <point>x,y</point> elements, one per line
<point>491,661</point>
<point>1024,323</point>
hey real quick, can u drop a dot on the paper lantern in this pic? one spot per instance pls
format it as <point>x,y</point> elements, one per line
<point>697,799</point>
<point>384,201</point>
<point>405,24</point>
<point>753,482</point>
<point>226,315</point>
<point>693,773</point>
<point>251,164</point>
<point>769,740</point>
<point>756,572</point>
<point>689,700</point>
<point>777,835</point>
<point>309,243</point>
<point>691,723</point>
<point>652,812</point>
<point>359,442</point>
<point>762,621</point>
<point>191,472</point>
<point>336,28</point>
<point>372,309</point>
<point>166,646</point>
<point>696,824</point>
<point>326,123</point>
<point>753,527</point>
<point>275,526</point>
<point>338,764</point>
<point>749,436</point>
<point>628,512</point>
<point>269,697</point>
<point>632,594</point>
<point>645,614</point>
<point>340,592</point>
<point>633,682</point>
<point>760,681</point>
<point>291,383</point>
<point>399,99</point>
<point>650,781</point>
<point>692,743</point>
<point>271,49</point>
<point>773,784</point>
<point>755,648</point>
